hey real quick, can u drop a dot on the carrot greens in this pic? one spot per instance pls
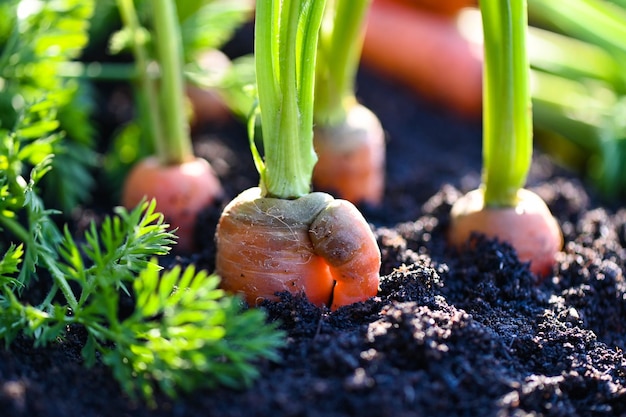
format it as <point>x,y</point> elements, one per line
<point>338,56</point>
<point>285,67</point>
<point>168,127</point>
<point>507,121</point>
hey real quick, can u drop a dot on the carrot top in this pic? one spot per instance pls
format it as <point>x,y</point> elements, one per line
<point>166,107</point>
<point>507,119</point>
<point>338,55</point>
<point>286,35</point>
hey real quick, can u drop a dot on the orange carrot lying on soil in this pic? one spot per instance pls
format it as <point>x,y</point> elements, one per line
<point>501,208</point>
<point>279,236</point>
<point>181,183</point>
<point>348,137</point>
<point>427,52</point>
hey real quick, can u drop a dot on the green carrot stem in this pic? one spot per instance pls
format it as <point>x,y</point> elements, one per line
<point>286,34</point>
<point>338,55</point>
<point>172,99</point>
<point>507,119</point>
<point>103,71</point>
<point>147,85</point>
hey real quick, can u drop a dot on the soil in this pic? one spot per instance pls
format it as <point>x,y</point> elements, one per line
<point>471,334</point>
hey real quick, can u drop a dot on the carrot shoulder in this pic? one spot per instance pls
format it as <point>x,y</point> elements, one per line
<point>426,52</point>
<point>304,245</point>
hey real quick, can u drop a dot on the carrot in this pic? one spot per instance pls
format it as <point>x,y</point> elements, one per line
<point>427,52</point>
<point>528,226</point>
<point>182,191</point>
<point>501,208</point>
<point>181,183</point>
<point>310,245</point>
<point>348,138</point>
<point>280,236</point>
<point>351,157</point>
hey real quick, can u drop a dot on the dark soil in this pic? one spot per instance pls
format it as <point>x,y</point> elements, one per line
<point>470,334</point>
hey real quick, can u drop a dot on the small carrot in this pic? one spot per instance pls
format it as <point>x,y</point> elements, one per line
<point>501,208</point>
<point>427,52</point>
<point>528,226</point>
<point>348,138</point>
<point>351,157</point>
<point>280,236</point>
<point>181,183</point>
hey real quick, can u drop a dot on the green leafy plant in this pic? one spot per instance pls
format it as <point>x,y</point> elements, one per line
<point>183,332</point>
<point>37,40</point>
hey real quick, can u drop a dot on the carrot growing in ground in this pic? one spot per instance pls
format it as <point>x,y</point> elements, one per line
<point>280,236</point>
<point>348,138</point>
<point>501,208</point>
<point>181,183</point>
<point>431,54</point>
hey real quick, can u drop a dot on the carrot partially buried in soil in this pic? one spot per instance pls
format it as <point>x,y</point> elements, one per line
<point>348,137</point>
<point>181,183</point>
<point>501,208</point>
<point>314,244</point>
<point>427,52</point>
<point>279,236</point>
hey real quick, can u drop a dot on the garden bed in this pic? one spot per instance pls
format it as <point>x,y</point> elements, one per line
<point>449,335</point>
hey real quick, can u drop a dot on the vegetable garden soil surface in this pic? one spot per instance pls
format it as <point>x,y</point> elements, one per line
<point>472,334</point>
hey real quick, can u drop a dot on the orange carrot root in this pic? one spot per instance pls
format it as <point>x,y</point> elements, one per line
<point>181,192</point>
<point>351,158</point>
<point>270,245</point>
<point>426,52</point>
<point>529,227</point>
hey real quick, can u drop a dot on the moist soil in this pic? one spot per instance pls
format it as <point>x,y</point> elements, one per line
<point>449,334</point>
